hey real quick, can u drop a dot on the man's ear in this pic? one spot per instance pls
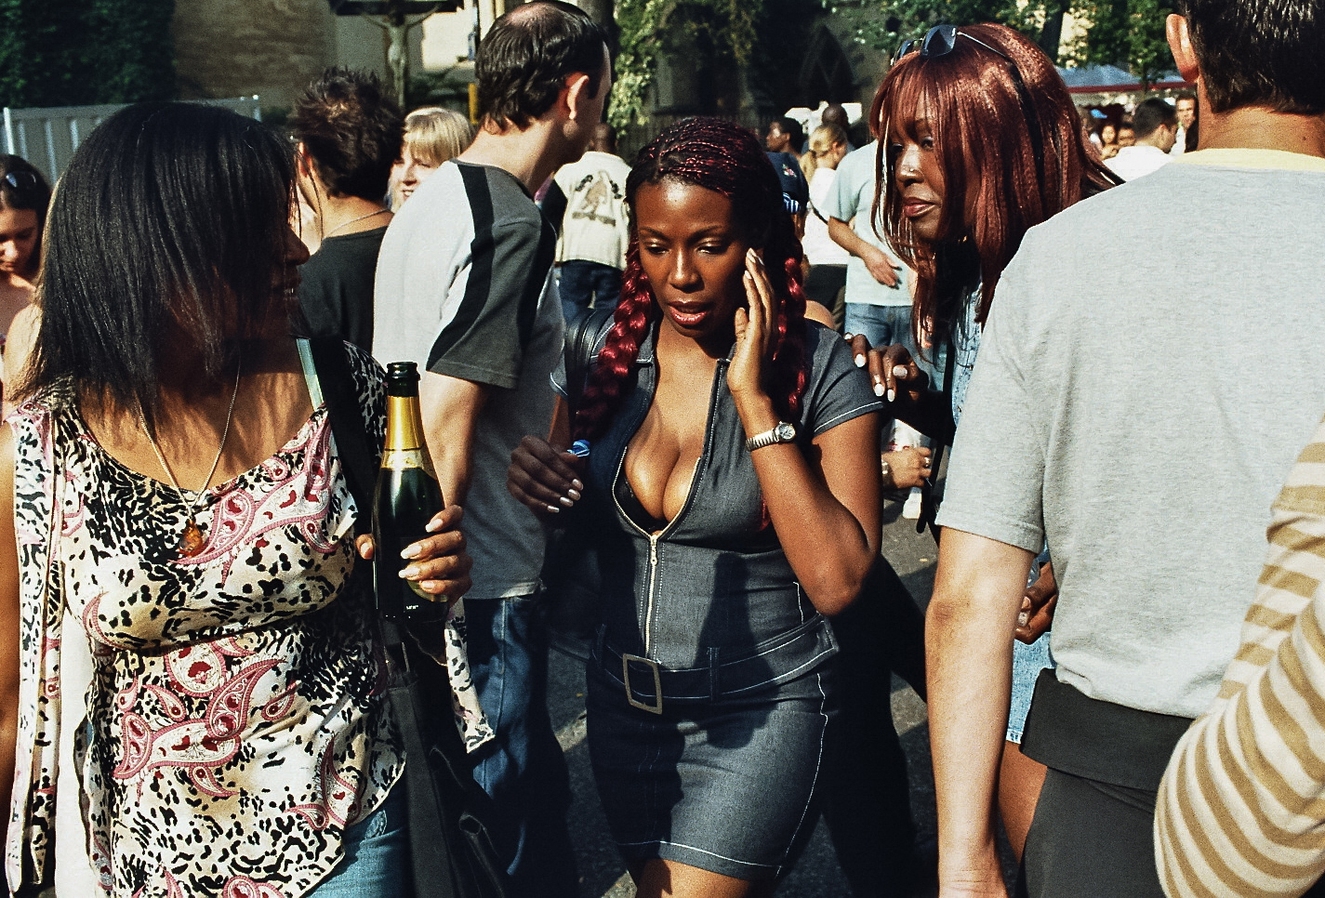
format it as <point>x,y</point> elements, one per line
<point>303,160</point>
<point>576,93</point>
<point>1180,42</point>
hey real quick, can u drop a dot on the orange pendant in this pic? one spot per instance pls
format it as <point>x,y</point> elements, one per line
<point>192,541</point>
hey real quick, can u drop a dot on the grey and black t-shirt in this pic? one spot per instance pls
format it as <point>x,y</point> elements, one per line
<point>464,289</point>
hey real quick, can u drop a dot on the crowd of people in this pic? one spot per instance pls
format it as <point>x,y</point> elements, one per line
<point>787,331</point>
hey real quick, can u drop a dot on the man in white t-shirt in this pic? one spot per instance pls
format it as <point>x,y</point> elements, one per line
<point>1156,126</point>
<point>591,250</point>
<point>877,299</point>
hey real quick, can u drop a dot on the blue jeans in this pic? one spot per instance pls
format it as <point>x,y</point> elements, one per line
<point>582,282</point>
<point>523,768</point>
<point>881,325</point>
<point>376,861</point>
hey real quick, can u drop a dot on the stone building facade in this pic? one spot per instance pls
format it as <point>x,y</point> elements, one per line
<point>231,48</point>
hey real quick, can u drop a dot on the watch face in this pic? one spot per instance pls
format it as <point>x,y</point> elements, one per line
<point>785,432</point>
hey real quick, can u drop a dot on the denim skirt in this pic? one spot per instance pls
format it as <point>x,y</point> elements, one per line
<point>726,785</point>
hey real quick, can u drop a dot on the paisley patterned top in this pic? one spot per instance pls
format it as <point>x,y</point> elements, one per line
<point>236,723</point>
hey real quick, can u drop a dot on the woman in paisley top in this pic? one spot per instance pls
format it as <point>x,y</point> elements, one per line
<point>711,686</point>
<point>176,540</point>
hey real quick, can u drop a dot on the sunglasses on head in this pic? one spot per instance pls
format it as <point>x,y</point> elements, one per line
<point>20,180</point>
<point>939,41</point>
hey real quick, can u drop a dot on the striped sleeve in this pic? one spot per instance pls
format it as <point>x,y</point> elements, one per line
<point>1241,810</point>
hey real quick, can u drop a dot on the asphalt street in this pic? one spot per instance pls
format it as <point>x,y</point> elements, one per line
<point>817,874</point>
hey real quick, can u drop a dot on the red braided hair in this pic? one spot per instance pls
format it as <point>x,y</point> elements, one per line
<point>721,156</point>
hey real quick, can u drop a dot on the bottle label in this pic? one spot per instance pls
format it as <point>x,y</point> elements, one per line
<point>404,459</point>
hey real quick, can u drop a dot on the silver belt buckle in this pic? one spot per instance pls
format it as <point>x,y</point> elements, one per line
<point>656,706</point>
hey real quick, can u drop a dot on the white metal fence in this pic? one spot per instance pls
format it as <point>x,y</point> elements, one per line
<point>48,137</point>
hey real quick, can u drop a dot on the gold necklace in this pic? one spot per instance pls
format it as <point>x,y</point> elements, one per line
<point>346,224</point>
<point>191,541</point>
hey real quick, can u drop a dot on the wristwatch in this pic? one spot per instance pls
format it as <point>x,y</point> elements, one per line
<point>782,432</point>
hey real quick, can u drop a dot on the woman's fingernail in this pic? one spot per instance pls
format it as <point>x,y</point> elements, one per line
<point>566,501</point>
<point>860,361</point>
<point>408,571</point>
<point>577,485</point>
<point>433,526</point>
<point>878,390</point>
<point>1023,619</point>
<point>552,509</point>
<point>892,395</point>
<point>574,494</point>
<point>410,551</point>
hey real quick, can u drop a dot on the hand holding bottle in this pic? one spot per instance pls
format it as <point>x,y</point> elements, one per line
<point>438,564</point>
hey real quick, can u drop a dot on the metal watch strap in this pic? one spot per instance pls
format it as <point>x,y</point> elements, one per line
<point>782,432</point>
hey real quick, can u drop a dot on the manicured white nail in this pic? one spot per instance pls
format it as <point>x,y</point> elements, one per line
<point>860,361</point>
<point>577,485</point>
<point>566,502</point>
<point>574,494</point>
<point>552,509</point>
<point>410,551</point>
<point>892,395</point>
<point>408,571</point>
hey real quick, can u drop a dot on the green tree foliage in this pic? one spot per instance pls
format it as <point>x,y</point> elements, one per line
<point>79,52</point>
<point>1125,33</point>
<point>712,30</point>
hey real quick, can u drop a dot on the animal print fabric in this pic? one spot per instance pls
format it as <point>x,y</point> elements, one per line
<point>236,723</point>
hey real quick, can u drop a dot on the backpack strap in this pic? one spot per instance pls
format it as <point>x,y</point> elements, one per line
<point>583,333</point>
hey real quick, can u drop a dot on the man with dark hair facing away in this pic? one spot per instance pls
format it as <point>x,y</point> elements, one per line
<point>1156,126</point>
<point>348,134</point>
<point>595,228</point>
<point>1157,552</point>
<point>783,142</point>
<point>464,289</point>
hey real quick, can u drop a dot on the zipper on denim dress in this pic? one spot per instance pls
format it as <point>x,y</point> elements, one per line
<point>654,538</point>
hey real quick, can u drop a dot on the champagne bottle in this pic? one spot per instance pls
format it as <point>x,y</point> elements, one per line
<point>407,497</point>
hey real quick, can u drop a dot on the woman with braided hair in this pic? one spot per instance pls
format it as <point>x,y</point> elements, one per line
<point>726,435</point>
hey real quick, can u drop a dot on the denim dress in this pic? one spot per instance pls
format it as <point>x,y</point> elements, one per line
<point>710,692</point>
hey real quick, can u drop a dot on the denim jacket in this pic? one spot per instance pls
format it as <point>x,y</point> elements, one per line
<point>712,591</point>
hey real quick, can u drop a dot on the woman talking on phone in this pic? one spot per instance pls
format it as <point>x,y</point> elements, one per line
<point>711,682</point>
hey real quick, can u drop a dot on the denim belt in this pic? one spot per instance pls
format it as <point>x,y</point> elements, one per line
<point>772,662</point>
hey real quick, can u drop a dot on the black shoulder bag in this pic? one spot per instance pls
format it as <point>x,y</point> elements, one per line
<point>570,565</point>
<point>452,852</point>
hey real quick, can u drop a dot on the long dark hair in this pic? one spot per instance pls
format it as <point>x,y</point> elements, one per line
<point>171,217</point>
<point>724,157</point>
<point>1008,138</point>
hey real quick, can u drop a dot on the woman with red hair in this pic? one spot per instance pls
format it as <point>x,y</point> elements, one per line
<point>726,436</point>
<point>980,143</point>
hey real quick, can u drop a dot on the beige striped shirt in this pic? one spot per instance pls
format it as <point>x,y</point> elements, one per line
<point>1241,810</point>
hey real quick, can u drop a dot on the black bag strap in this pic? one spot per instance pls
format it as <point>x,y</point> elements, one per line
<point>357,458</point>
<point>583,331</point>
<point>929,503</point>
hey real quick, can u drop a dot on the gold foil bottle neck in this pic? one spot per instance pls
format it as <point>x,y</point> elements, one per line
<point>405,444</point>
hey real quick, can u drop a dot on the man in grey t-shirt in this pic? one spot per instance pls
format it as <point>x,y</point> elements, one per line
<point>464,289</point>
<point>1145,436</point>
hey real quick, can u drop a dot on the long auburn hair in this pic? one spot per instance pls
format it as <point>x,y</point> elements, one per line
<point>1010,148</point>
<point>724,157</point>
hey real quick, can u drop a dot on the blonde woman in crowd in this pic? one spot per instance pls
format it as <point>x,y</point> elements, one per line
<point>432,135</point>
